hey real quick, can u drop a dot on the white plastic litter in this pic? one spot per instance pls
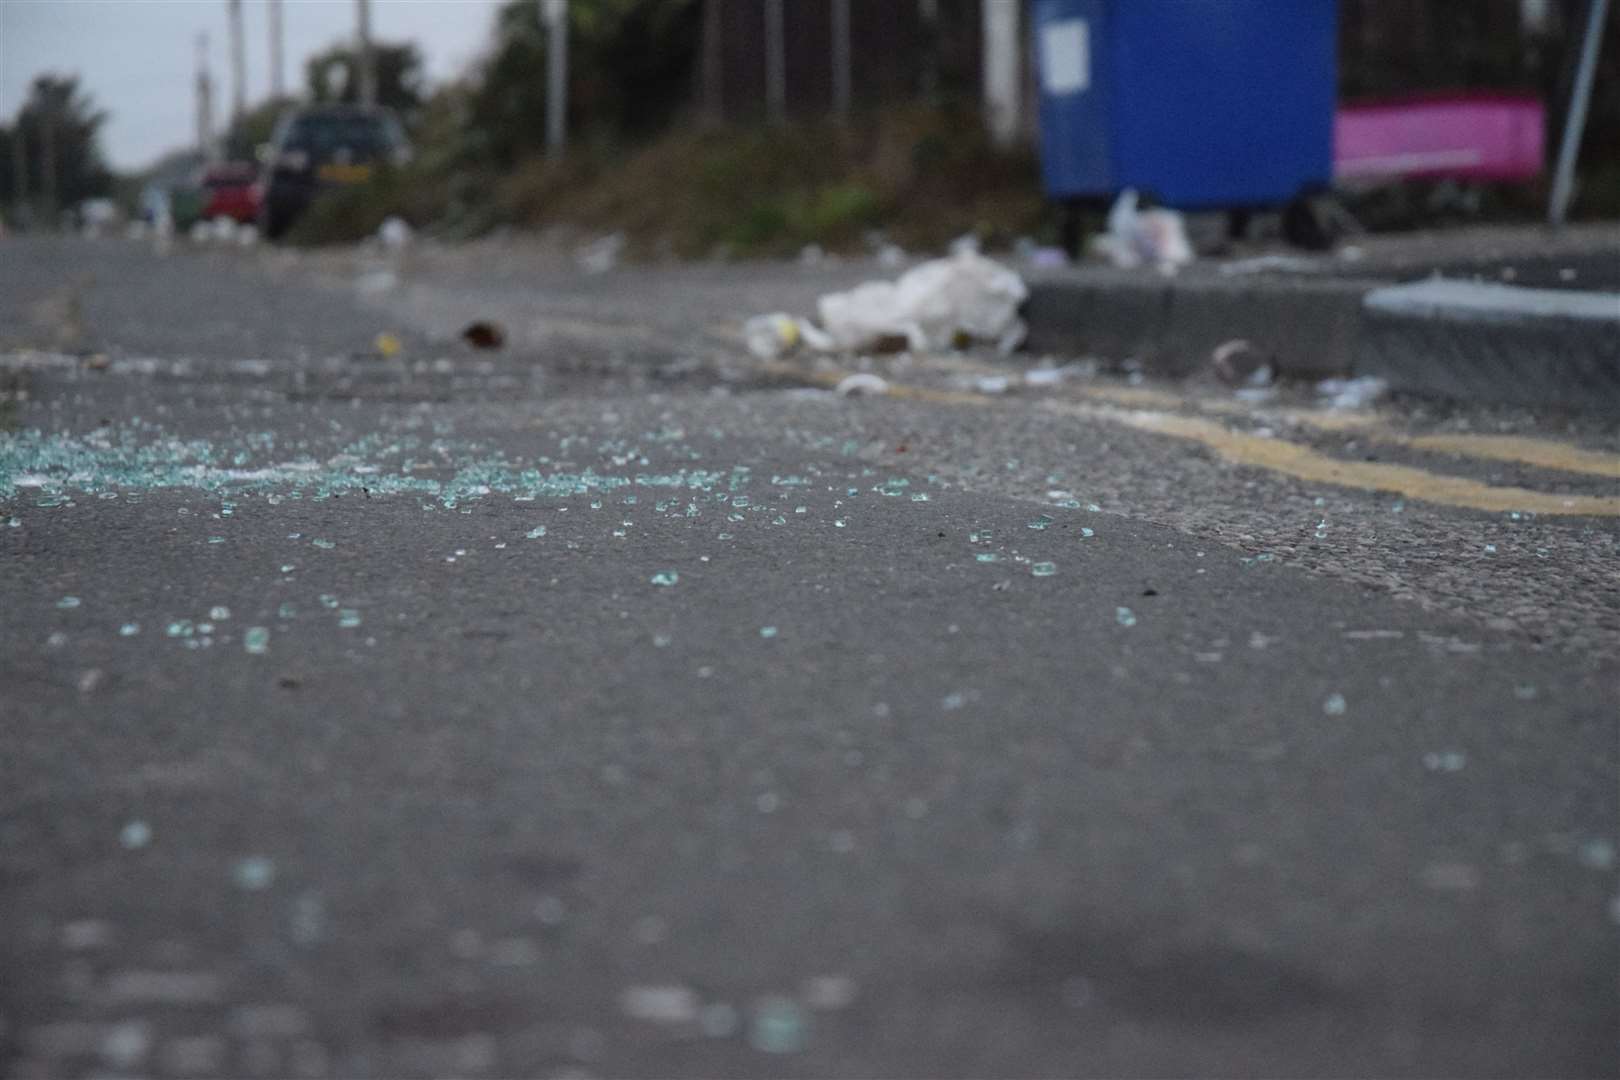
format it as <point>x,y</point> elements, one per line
<point>1047,376</point>
<point>861,383</point>
<point>931,306</point>
<point>1157,237</point>
<point>891,256</point>
<point>1272,264</point>
<point>1357,393</point>
<point>601,255</point>
<point>375,280</point>
<point>814,337</point>
<point>394,234</point>
<point>771,336</point>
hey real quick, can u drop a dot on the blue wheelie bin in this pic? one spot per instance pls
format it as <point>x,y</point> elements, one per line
<point>1201,104</point>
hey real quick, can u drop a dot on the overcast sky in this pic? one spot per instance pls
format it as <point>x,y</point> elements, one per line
<point>137,57</point>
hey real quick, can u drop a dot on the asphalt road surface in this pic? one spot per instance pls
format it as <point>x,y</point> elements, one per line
<point>610,704</point>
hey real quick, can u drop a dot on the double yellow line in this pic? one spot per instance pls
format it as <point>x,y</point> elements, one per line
<point>1146,409</point>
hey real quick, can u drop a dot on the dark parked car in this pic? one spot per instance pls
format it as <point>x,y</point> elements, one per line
<point>321,147</point>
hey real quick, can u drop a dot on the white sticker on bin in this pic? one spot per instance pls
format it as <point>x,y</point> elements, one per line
<point>1066,56</point>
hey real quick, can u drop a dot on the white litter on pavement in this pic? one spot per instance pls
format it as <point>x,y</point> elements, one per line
<point>771,336</point>
<point>1157,237</point>
<point>1357,393</point>
<point>600,256</point>
<point>936,306</point>
<point>660,1004</point>
<point>861,383</point>
<point>394,234</point>
<point>931,306</point>
<point>1272,264</point>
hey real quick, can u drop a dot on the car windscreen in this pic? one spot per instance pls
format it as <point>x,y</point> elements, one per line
<point>324,137</point>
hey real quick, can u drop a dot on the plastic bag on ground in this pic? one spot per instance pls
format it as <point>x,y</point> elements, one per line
<point>1157,237</point>
<point>1357,393</point>
<point>930,306</point>
<point>394,233</point>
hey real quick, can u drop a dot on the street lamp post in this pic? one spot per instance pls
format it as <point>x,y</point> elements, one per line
<point>278,86</point>
<point>554,15</point>
<point>367,58</point>
<point>238,63</point>
<point>1575,123</point>
<point>775,61</point>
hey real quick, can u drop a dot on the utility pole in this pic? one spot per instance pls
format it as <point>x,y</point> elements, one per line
<point>928,13</point>
<point>238,62</point>
<point>1003,88</point>
<point>19,168</point>
<point>775,61</point>
<point>367,58</point>
<point>47,157</point>
<point>843,89</point>
<point>205,102</point>
<point>554,13</point>
<point>713,64</point>
<point>1575,122</point>
<point>278,86</point>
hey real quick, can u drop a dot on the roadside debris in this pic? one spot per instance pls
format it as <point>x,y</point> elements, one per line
<point>375,280</point>
<point>601,255</point>
<point>861,383</point>
<point>1238,363</point>
<point>483,334</point>
<point>1157,237</point>
<point>1038,256</point>
<point>1047,376</point>
<point>1357,393</point>
<point>1272,264</point>
<point>660,1004</point>
<point>931,307</point>
<point>771,336</point>
<point>394,234</point>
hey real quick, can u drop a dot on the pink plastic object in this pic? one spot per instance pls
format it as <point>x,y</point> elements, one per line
<point>1464,137</point>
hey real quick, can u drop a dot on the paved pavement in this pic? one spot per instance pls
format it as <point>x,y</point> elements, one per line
<point>608,705</point>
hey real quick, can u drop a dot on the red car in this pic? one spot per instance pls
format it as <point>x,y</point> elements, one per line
<point>228,192</point>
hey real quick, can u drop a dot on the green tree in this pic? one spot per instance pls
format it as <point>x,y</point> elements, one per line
<point>631,68</point>
<point>59,127</point>
<point>334,76</point>
<point>254,128</point>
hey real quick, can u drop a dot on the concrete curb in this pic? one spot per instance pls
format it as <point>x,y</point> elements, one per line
<point>1495,343</point>
<point>1481,342</point>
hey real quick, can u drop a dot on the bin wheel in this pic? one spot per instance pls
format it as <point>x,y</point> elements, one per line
<point>1237,224</point>
<point>1071,230</point>
<point>1317,222</point>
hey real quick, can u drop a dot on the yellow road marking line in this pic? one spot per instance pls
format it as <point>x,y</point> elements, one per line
<point>1298,461</point>
<point>1519,449</point>
<point>1543,453</point>
<point>1304,463</point>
